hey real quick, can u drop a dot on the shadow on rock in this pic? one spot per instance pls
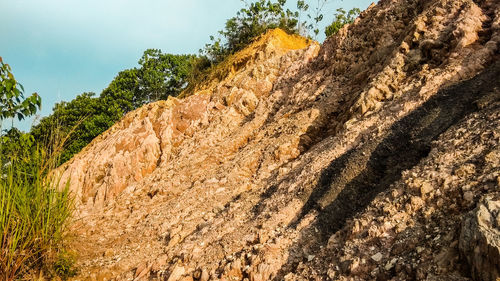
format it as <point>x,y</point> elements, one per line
<point>348,185</point>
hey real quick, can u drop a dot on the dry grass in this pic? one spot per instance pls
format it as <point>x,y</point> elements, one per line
<point>33,212</point>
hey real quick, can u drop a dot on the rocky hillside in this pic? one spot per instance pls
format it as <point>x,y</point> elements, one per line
<point>372,156</point>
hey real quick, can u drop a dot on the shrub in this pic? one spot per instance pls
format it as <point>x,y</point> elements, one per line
<point>341,18</point>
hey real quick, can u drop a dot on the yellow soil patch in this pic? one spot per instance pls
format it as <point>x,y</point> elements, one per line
<point>274,40</point>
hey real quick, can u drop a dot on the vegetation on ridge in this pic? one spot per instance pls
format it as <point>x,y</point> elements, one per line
<point>341,18</point>
<point>249,23</point>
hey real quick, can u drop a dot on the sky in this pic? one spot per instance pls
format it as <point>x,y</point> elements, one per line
<point>62,48</point>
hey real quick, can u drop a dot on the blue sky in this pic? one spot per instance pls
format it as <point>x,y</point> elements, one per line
<point>61,48</point>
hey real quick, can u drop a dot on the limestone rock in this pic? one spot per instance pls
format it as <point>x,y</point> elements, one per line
<point>480,239</point>
<point>296,157</point>
<point>177,273</point>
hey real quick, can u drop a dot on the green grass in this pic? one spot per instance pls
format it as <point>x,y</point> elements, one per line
<point>33,218</point>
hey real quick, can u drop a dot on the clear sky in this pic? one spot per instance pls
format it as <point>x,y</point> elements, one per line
<point>61,48</point>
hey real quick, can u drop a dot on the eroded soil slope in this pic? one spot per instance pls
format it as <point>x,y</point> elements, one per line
<point>357,159</point>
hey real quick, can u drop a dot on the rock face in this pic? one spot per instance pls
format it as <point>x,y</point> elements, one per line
<point>480,239</point>
<point>353,160</point>
<point>154,134</point>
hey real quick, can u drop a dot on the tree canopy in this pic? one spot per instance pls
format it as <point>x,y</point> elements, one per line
<point>162,75</point>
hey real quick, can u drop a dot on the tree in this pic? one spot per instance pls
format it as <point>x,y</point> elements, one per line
<point>87,116</point>
<point>17,148</point>
<point>13,104</point>
<point>316,18</point>
<point>341,18</point>
<point>12,101</point>
<point>81,119</point>
<point>161,75</point>
<point>122,94</point>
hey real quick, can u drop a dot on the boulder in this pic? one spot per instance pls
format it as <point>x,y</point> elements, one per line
<point>480,239</point>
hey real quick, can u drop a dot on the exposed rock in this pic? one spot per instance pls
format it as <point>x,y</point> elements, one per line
<point>425,188</point>
<point>377,257</point>
<point>204,276</point>
<point>480,239</point>
<point>353,160</point>
<point>177,273</point>
<point>149,136</point>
